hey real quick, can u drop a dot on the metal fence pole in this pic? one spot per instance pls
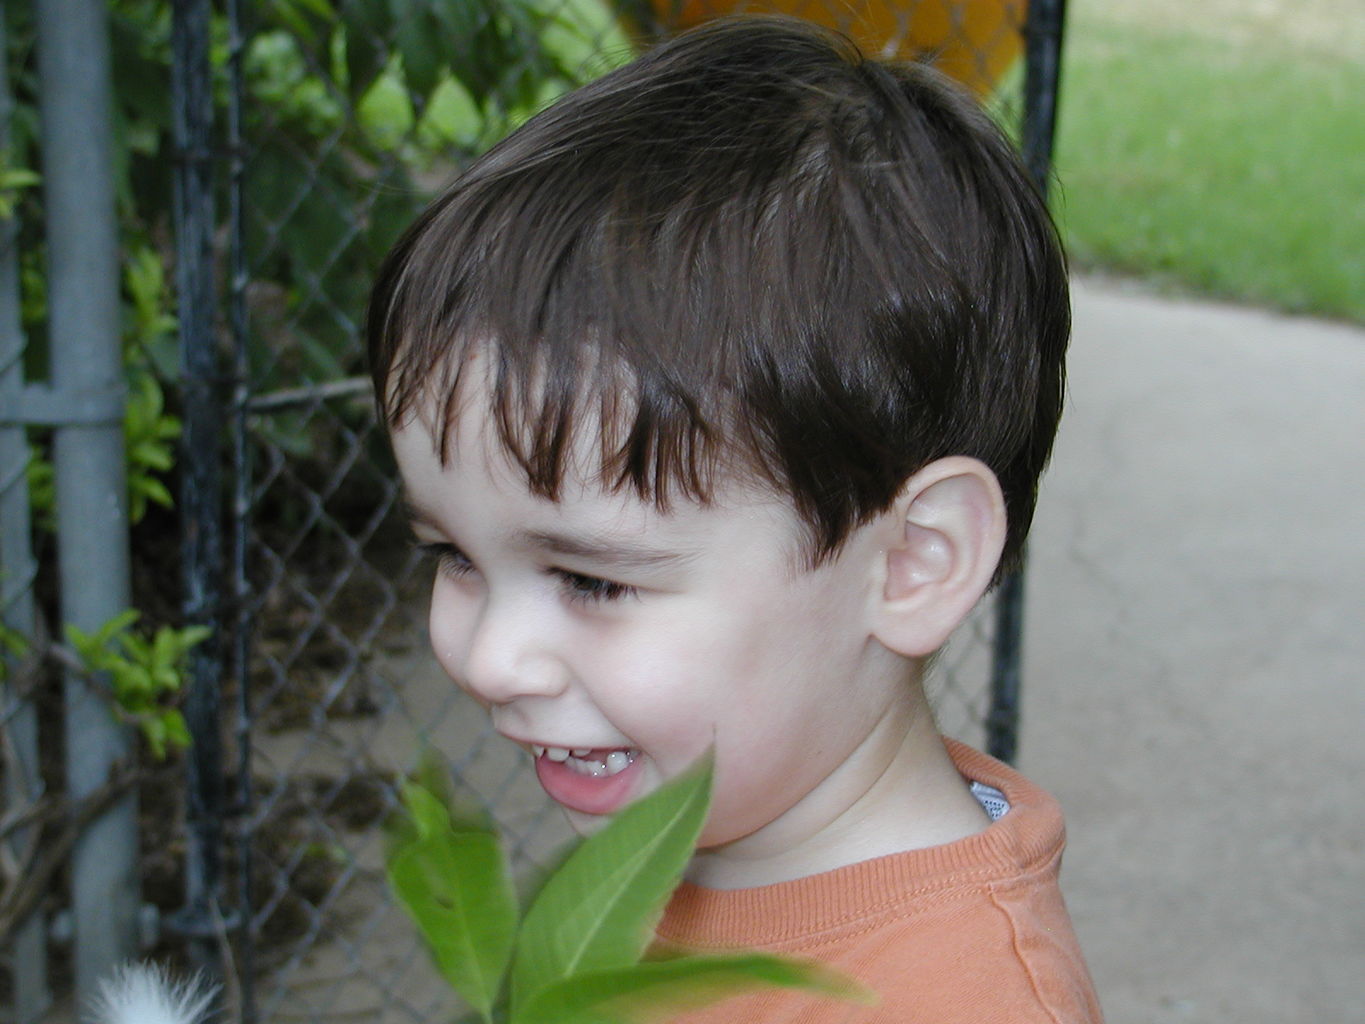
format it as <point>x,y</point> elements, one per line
<point>1002,721</point>
<point>1042,82</point>
<point>1042,75</point>
<point>18,717</point>
<point>241,504</point>
<point>92,517</point>
<point>201,920</point>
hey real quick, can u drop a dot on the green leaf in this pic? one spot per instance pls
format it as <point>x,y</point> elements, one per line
<point>176,732</point>
<point>427,811</point>
<point>132,684</point>
<point>582,37</point>
<point>164,649</point>
<point>385,112</point>
<point>294,15</point>
<point>320,9</point>
<point>95,648</point>
<point>11,181</point>
<point>451,117</point>
<point>457,889</point>
<point>280,78</point>
<point>666,987</point>
<point>120,623</point>
<point>19,177</point>
<point>40,476</point>
<point>144,281</point>
<point>193,636</point>
<point>599,910</point>
<point>12,641</point>
<point>151,454</point>
<point>431,805</point>
<point>135,647</point>
<point>148,434</point>
<point>154,729</point>
<point>82,642</point>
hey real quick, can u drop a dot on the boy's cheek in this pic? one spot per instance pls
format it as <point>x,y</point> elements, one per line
<point>446,629</point>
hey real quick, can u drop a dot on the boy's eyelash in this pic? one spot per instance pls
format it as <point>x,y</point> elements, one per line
<point>592,588</point>
<point>451,561</point>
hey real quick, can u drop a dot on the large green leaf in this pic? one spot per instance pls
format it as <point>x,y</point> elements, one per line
<point>456,887</point>
<point>582,37</point>
<point>660,988</point>
<point>599,910</point>
<point>385,113</point>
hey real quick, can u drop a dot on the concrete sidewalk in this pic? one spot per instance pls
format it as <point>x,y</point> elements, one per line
<point>1195,648</point>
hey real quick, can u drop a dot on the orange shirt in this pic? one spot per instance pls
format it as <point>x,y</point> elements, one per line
<point>973,932</point>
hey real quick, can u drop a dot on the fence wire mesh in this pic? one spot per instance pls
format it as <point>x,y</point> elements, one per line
<point>351,120</point>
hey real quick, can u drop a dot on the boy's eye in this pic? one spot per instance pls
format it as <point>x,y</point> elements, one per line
<point>592,588</point>
<point>450,560</point>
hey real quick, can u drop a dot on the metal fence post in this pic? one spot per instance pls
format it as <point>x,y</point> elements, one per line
<point>238,278</point>
<point>1042,81</point>
<point>1042,74</point>
<point>92,518</point>
<point>18,717</point>
<point>201,919</point>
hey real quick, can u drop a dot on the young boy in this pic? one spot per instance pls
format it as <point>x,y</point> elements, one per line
<point>720,391</point>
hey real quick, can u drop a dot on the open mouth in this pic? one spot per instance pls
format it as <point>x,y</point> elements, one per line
<point>593,780</point>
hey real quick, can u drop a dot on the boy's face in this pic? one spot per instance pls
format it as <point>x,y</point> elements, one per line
<point>630,640</point>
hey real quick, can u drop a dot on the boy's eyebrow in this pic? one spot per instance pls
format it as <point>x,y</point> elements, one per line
<point>601,550</point>
<point>604,550</point>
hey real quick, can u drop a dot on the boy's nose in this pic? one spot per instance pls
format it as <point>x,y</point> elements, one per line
<point>499,656</point>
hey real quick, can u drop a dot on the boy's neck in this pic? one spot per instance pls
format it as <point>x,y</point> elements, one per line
<point>900,791</point>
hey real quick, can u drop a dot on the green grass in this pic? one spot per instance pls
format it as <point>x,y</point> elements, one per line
<point>1228,169</point>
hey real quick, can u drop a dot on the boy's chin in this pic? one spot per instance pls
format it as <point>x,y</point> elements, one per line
<point>585,824</point>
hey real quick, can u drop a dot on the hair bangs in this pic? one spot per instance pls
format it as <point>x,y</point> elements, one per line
<point>565,316</point>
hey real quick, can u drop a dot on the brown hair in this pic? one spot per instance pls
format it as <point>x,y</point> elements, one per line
<point>752,245</point>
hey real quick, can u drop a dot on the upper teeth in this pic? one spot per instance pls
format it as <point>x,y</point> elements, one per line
<point>577,759</point>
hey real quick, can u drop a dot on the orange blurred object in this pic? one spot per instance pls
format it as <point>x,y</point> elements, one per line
<point>975,41</point>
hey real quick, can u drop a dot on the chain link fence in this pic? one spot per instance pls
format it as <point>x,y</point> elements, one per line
<point>332,122</point>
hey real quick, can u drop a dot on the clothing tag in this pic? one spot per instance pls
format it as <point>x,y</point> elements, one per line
<point>992,801</point>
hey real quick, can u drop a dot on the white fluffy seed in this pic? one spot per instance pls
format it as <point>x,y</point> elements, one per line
<point>146,994</point>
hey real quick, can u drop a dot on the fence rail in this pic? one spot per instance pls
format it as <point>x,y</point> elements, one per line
<point>302,138</point>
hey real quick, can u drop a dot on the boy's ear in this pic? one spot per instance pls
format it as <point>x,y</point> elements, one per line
<point>945,535</point>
